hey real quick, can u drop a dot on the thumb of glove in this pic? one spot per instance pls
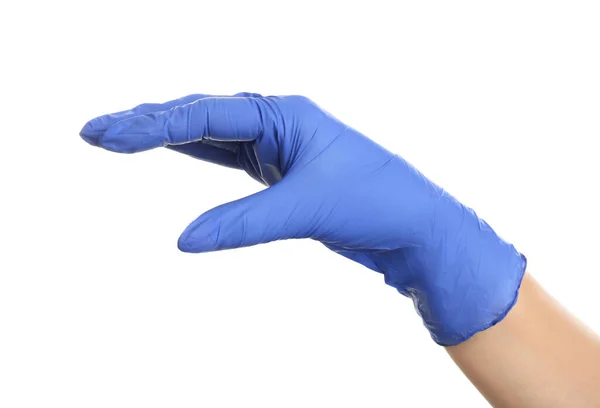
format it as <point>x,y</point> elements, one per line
<point>266,216</point>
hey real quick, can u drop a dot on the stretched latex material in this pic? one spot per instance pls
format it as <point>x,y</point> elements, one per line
<point>328,182</point>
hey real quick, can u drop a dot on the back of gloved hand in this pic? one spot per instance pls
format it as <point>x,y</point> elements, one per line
<point>330,183</point>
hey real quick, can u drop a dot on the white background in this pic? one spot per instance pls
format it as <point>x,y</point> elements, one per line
<point>498,102</point>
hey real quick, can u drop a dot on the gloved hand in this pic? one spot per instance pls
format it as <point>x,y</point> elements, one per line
<point>330,183</point>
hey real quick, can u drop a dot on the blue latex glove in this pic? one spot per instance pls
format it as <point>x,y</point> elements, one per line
<point>330,183</point>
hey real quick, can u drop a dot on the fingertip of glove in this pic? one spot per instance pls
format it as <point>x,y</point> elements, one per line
<point>89,134</point>
<point>188,241</point>
<point>184,245</point>
<point>200,236</point>
<point>193,245</point>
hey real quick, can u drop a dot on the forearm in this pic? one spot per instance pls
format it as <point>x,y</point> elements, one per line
<point>538,356</point>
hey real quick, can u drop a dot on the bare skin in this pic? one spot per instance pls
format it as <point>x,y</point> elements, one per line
<point>538,356</point>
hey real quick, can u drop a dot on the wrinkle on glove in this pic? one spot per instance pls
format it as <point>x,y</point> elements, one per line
<point>330,183</point>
